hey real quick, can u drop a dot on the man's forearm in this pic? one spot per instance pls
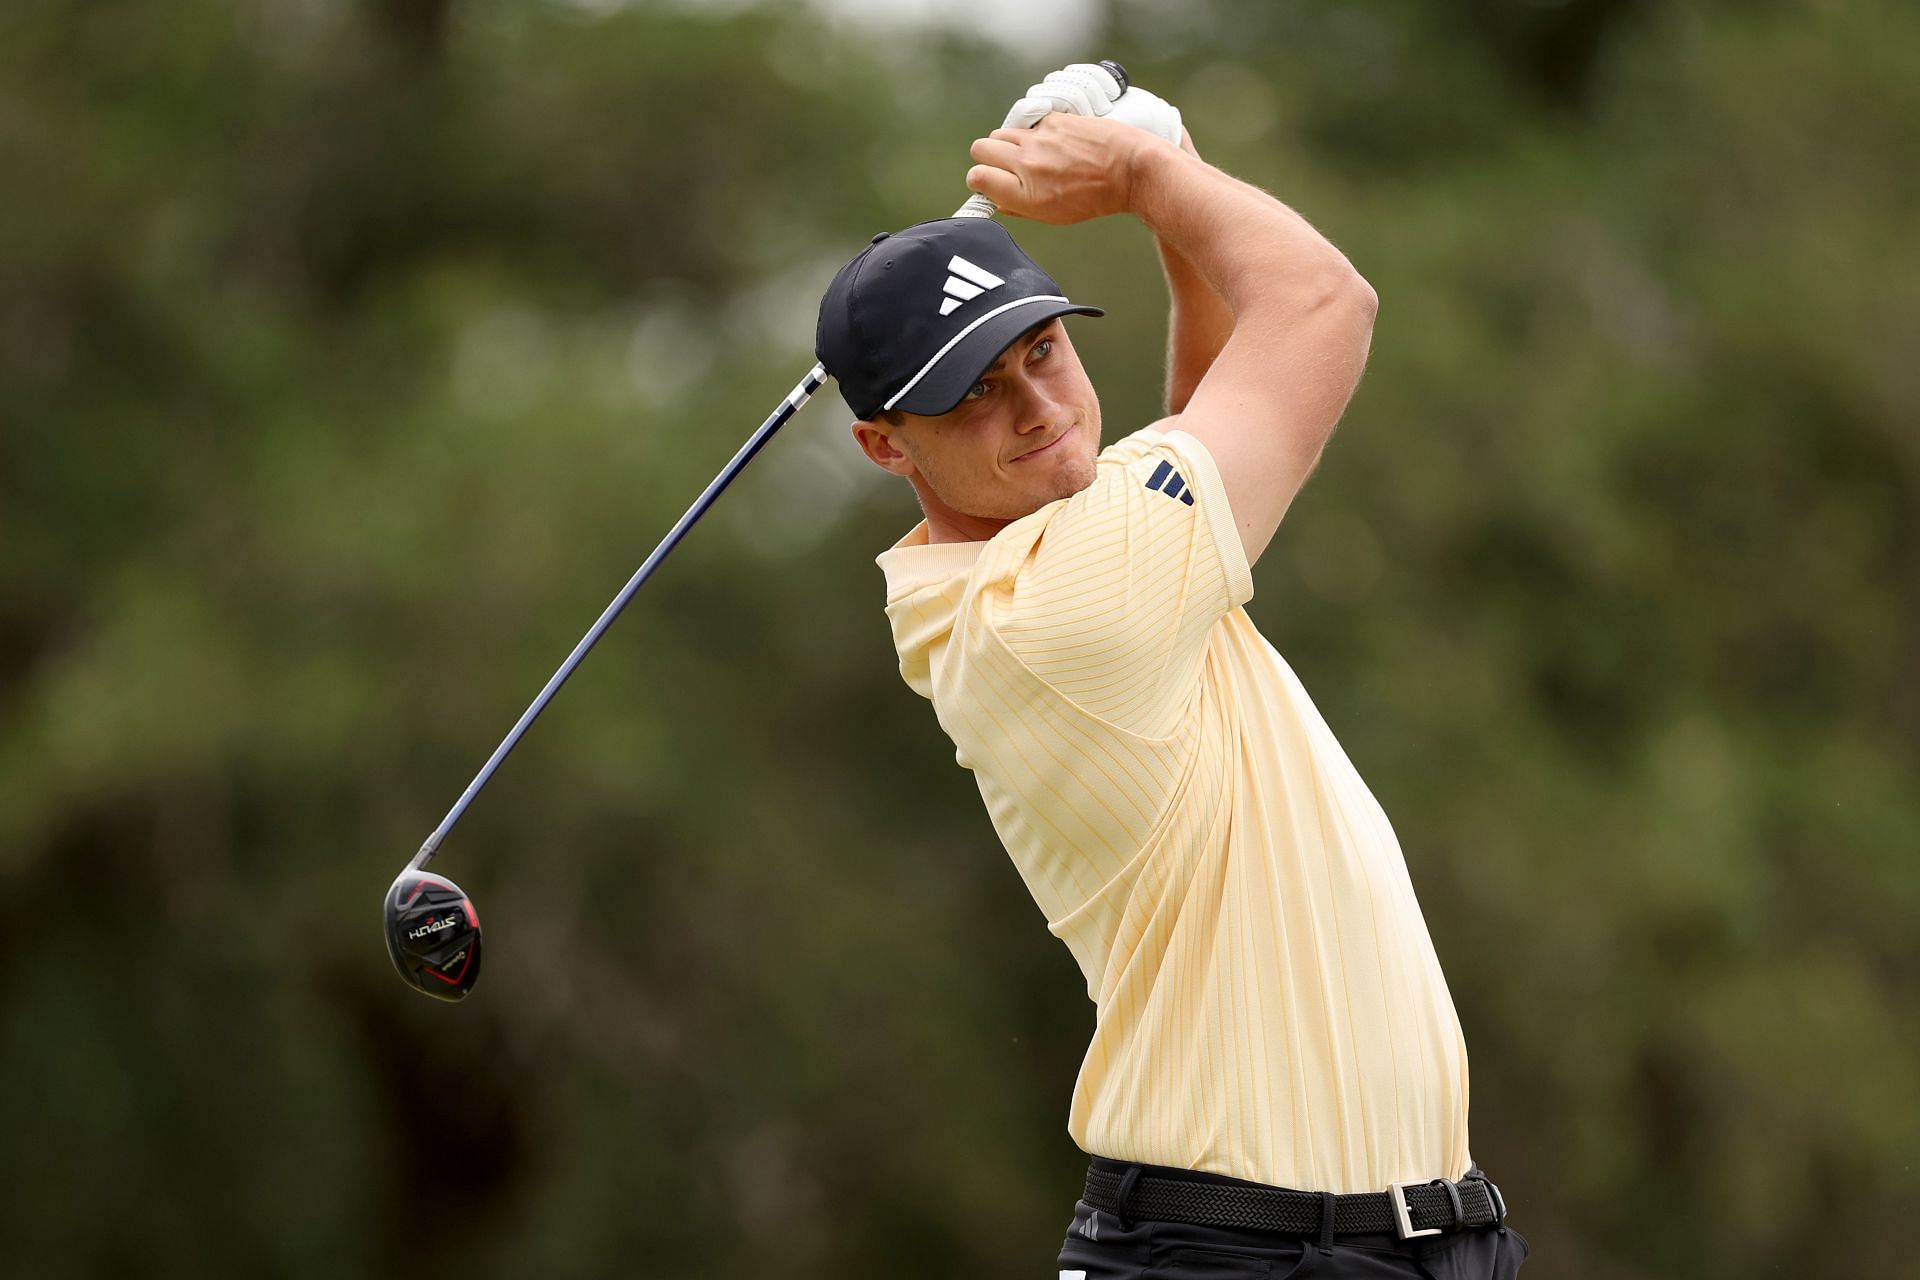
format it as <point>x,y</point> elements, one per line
<point>1222,237</point>
<point>1198,325</point>
<point>1198,318</point>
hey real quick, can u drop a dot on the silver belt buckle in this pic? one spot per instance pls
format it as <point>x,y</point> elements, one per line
<point>1402,1216</point>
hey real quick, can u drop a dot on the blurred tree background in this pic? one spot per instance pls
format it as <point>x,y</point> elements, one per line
<point>352,354</point>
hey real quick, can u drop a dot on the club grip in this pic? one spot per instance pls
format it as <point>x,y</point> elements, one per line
<point>978,206</point>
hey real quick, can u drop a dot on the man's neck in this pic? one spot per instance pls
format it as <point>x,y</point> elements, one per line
<point>965,529</point>
<point>944,524</point>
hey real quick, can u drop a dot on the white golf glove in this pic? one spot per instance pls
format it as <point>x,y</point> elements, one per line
<point>1151,112</point>
<point>1088,89</point>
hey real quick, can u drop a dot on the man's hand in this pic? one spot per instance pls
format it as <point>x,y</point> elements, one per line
<point>1063,170</point>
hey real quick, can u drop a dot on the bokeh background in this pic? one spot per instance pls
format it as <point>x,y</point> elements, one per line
<point>353,352</point>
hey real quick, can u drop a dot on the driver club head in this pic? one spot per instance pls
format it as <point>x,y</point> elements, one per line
<point>433,935</point>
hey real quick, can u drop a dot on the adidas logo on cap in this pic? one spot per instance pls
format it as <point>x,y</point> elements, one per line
<point>965,282</point>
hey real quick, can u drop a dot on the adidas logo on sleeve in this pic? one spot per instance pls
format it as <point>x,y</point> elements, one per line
<point>965,282</point>
<point>1170,482</point>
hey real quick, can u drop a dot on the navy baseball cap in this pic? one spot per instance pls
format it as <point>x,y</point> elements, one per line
<point>918,315</point>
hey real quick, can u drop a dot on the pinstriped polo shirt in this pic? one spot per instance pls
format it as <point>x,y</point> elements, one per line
<point>1268,1001</point>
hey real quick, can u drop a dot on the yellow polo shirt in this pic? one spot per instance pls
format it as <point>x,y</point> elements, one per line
<point>1269,1004</point>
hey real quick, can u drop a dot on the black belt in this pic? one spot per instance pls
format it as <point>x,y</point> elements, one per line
<point>1405,1209</point>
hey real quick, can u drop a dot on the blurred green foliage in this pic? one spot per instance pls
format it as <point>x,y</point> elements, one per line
<point>352,354</point>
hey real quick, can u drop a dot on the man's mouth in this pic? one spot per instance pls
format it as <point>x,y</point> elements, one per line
<point>1045,447</point>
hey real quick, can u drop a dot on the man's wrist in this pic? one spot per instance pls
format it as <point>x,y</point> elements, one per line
<point>1149,170</point>
<point>1158,169</point>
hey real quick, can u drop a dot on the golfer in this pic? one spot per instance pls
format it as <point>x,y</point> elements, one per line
<point>1277,1081</point>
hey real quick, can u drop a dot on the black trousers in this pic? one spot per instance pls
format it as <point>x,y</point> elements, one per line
<point>1100,1246</point>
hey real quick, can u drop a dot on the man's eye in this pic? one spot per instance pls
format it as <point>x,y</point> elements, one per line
<point>1043,349</point>
<point>975,391</point>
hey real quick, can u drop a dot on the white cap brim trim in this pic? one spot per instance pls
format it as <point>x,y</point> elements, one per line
<point>954,341</point>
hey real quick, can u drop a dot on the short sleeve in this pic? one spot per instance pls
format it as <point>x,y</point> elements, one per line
<point>1115,601</point>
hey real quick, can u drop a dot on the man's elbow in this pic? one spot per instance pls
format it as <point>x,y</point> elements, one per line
<point>1347,292</point>
<point>1357,306</point>
<point>1335,300</point>
<point>1348,311</point>
<point>1364,298</point>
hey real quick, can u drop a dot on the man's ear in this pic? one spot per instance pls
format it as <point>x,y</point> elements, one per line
<point>878,445</point>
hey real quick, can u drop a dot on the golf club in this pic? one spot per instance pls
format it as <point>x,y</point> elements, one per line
<point>433,933</point>
<point>432,930</point>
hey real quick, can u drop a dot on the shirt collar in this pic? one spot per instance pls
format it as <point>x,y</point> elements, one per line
<point>913,562</point>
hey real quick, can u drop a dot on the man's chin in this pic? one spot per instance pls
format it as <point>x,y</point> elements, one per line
<point>1071,480</point>
<point>1075,476</point>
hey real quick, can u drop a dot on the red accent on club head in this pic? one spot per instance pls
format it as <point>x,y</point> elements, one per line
<point>472,918</point>
<point>423,881</point>
<point>454,981</point>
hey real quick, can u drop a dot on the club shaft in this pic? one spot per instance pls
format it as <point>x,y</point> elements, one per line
<point>801,393</point>
<point>977,206</point>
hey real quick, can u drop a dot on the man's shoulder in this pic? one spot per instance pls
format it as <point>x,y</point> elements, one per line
<point>1133,447</point>
<point>1160,448</point>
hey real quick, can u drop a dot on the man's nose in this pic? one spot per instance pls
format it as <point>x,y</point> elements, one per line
<point>1038,410</point>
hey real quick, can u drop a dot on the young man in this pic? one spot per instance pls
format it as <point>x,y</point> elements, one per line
<point>1277,1082</point>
